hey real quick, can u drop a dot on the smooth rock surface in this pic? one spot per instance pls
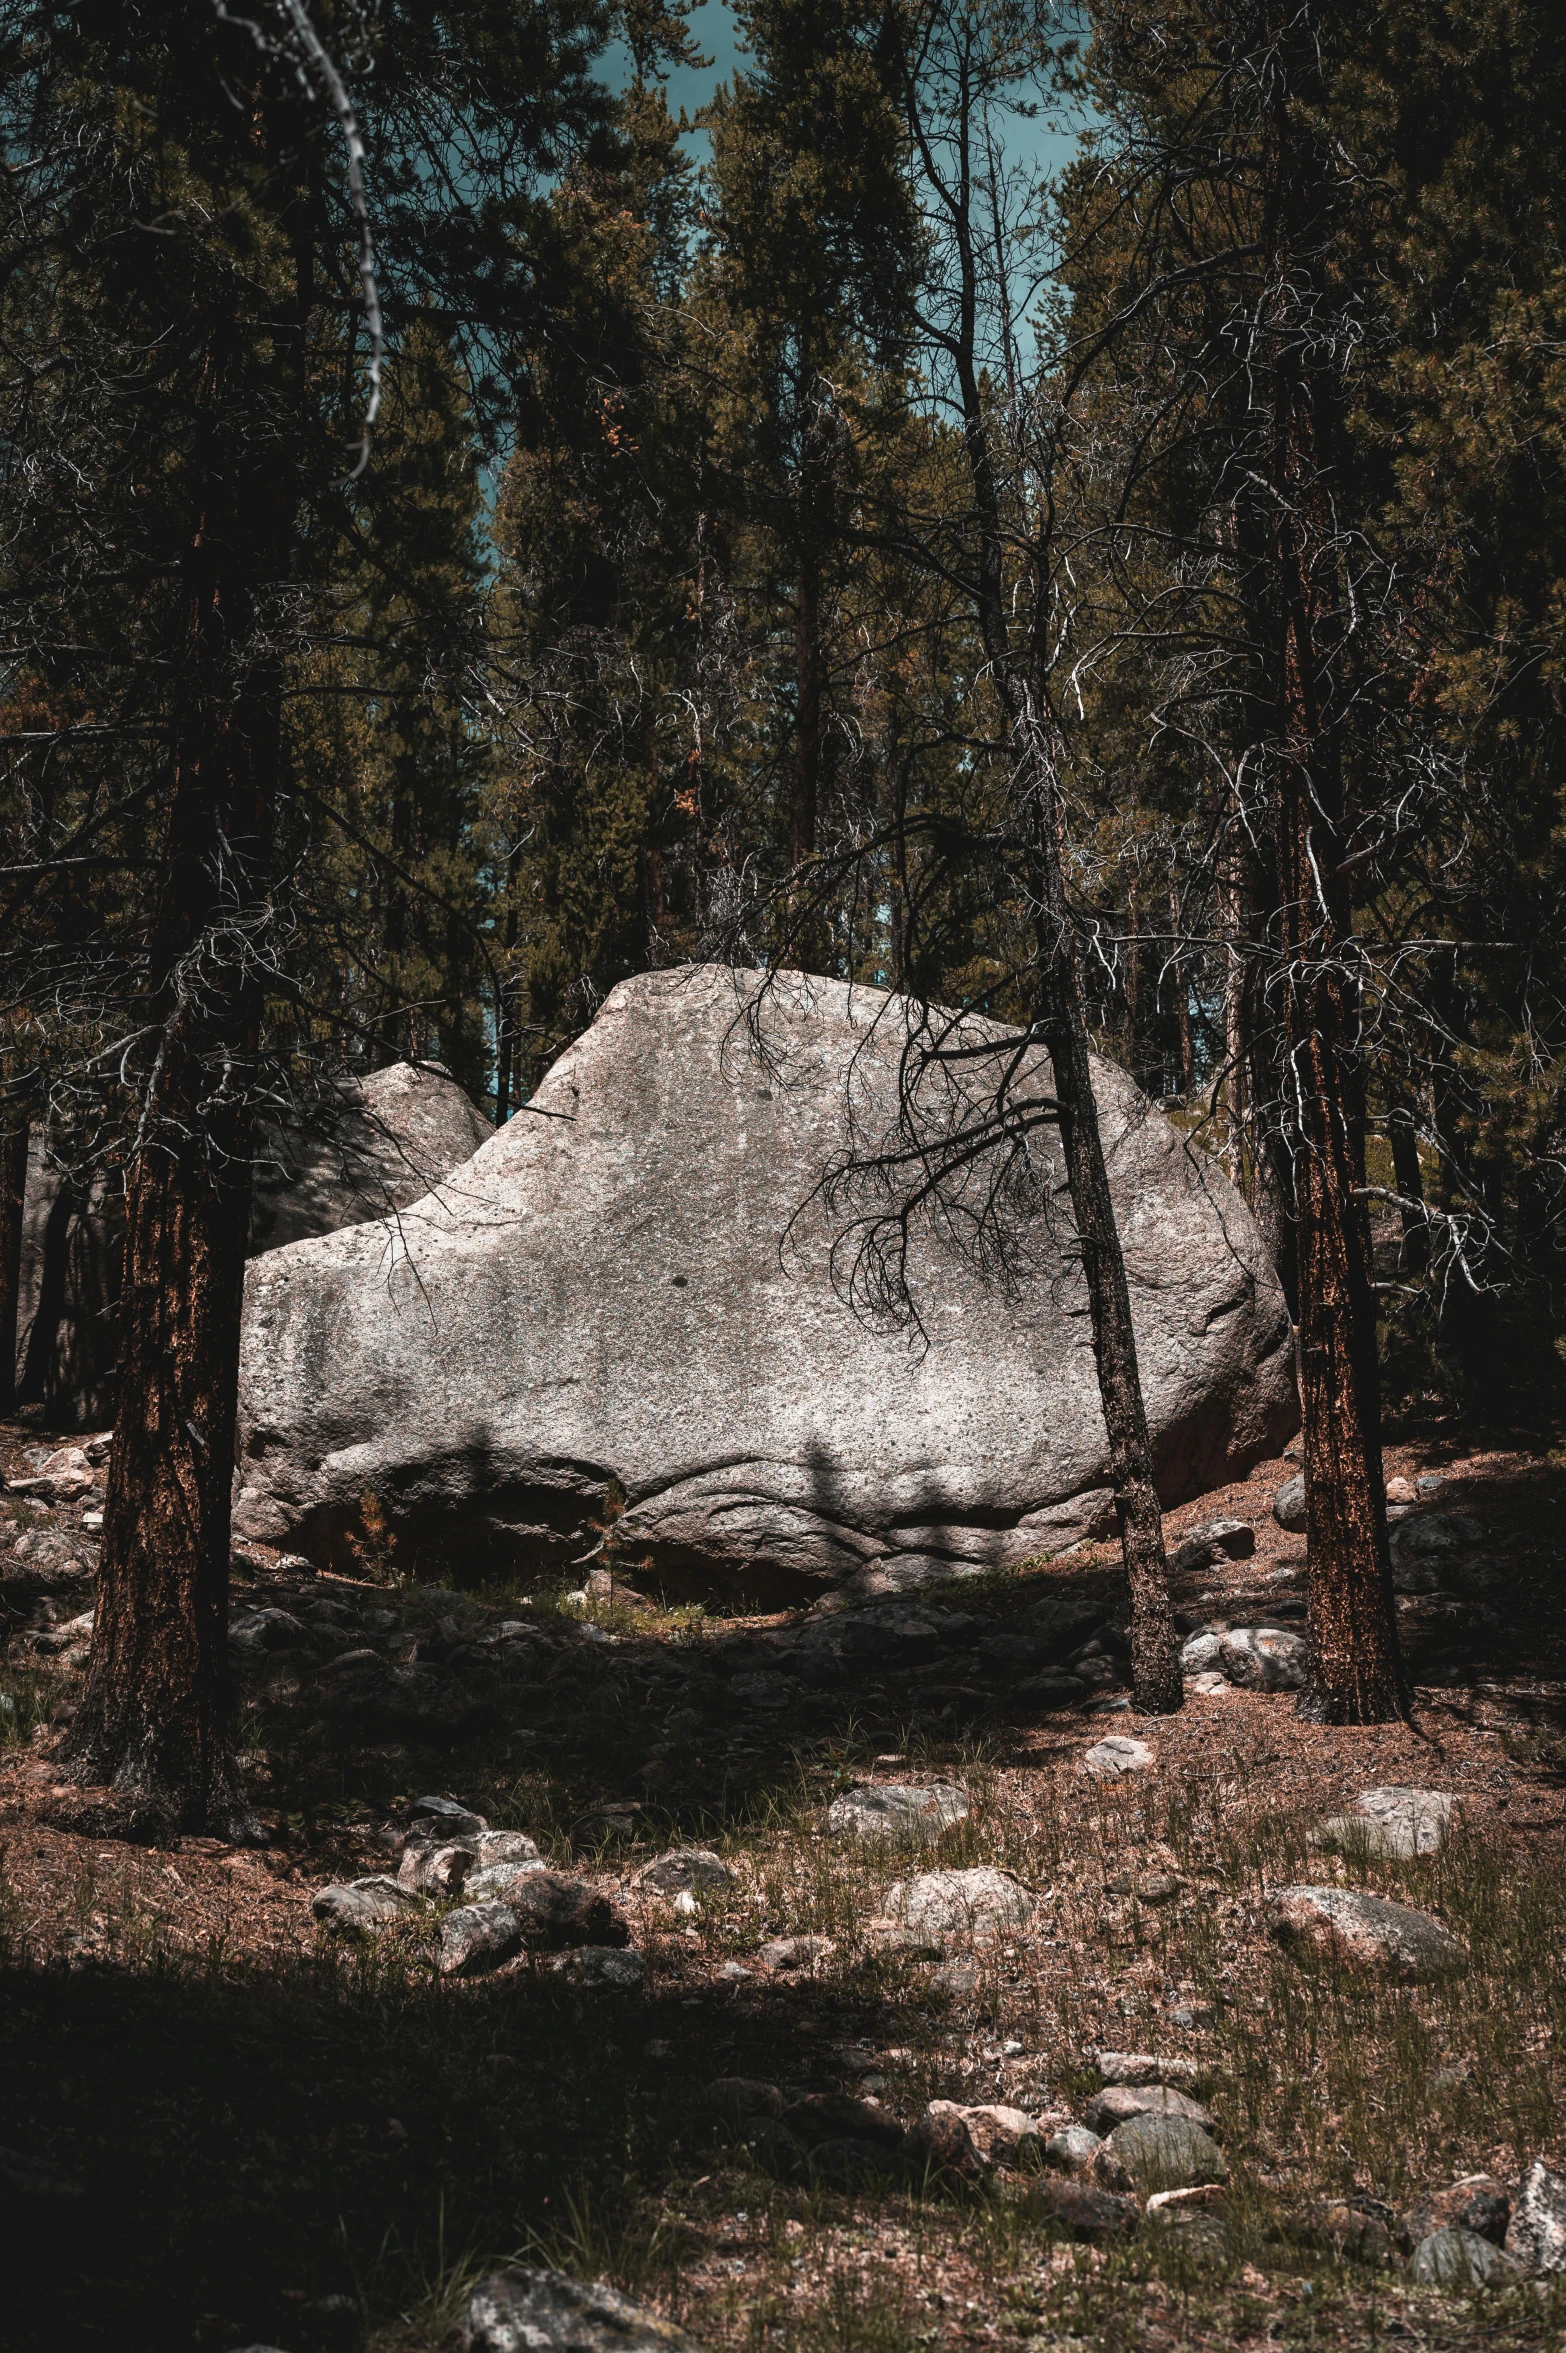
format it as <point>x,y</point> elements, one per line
<point>637,1288</point>
<point>1537,2230</point>
<point>1160,2153</point>
<point>1399,1824</point>
<point>1108,1759</point>
<point>1458,2258</point>
<point>954,1903</point>
<point>1288,1505</point>
<point>897,1814</point>
<point>519,2311</point>
<point>1361,1931</point>
<point>1072,2149</point>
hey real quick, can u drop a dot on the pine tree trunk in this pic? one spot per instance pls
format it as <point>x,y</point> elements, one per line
<point>13,1198</point>
<point>806,780</point>
<point>156,1719</point>
<point>1356,1674</point>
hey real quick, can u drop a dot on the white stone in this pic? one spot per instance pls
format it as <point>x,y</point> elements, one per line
<point>976,1902</point>
<point>1107,1759</point>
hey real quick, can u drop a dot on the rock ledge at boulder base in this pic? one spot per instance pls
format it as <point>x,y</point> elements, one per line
<point>631,1286</point>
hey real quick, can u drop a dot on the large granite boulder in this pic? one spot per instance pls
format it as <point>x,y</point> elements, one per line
<point>362,1148</point>
<point>628,1294</point>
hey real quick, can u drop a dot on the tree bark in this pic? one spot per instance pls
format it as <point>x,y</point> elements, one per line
<point>13,1198</point>
<point>1409,1179</point>
<point>1356,1673</point>
<point>156,1719</point>
<point>41,1355</point>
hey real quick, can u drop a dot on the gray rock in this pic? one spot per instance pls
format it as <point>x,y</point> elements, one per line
<point>1536,2233</point>
<point>1109,1760</point>
<point>1398,1824</point>
<point>556,1911</point>
<point>1358,1931</point>
<point>975,1903</point>
<point>795,1952</point>
<point>519,2311</point>
<point>478,1936</point>
<point>1111,2107</point>
<point>447,1815</point>
<point>1200,1654</point>
<point>1434,1536</point>
<point>1214,1540</point>
<point>766,1437</point>
<point>264,1630</point>
<point>693,1870</point>
<point>437,1870</point>
<point>498,1882</point>
<point>1072,2149</point>
<point>1150,2067</point>
<point>897,1814</point>
<point>1478,2203</point>
<point>1160,2153</point>
<point>371,1147</point>
<point>1263,1658</point>
<point>1458,2258</point>
<point>1288,1505</point>
<point>597,1968</point>
<point>1082,2210</point>
<point>363,1907</point>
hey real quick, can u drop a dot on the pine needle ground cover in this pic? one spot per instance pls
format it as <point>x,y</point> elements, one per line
<point>225,2126</point>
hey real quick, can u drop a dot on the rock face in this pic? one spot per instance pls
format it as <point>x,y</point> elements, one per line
<point>637,1287</point>
<point>897,1814</point>
<point>371,1149</point>
<point>1536,2232</point>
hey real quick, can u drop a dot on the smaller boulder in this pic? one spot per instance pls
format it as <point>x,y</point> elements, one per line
<point>262,1630</point>
<point>437,1870</point>
<point>556,1912</point>
<point>1214,1540</point>
<point>1397,1824</point>
<point>1288,1505</point>
<point>897,1814</point>
<point>1434,1536</point>
<point>476,1937</point>
<point>521,2311</point>
<point>1458,2258</point>
<point>1477,2203</point>
<point>1112,1759</point>
<point>1051,1691</point>
<point>603,1969</point>
<point>795,1952</point>
<point>446,1817</point>
<point>1364,1932</point>
<point>1263,1658</point>
<point>1081,2210</point>
<point>998,2135</point>
<point>363,1907</point>
<point>940,2145</point>
<point>498,1882</point>
<point>978,1902</point>
<point>1165,2152</point>
<point>836,2116</point>
<point>687,1870</point>
<point>1536,2233</point>
<point>1072,2149</point>
<point>1112,2107</point>
<point>1200,1654</point>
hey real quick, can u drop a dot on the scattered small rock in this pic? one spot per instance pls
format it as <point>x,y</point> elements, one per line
<point>1288,1505</point>
<point>897,1813</point>
<point>518,2311</point>
<point>1072,2149</point>
<point>1108,1759</point>
<point>1113,2106</point>
<point>686,1870</point>
<point>1458,2258</point>
<point>1160,2152</point>
<point>1263,1658</point>
<point>1537,2230</point>
<point>976,1902</point>
<point>604,1969</point>
<point>1362,1931</point>
<point>363,1907</point>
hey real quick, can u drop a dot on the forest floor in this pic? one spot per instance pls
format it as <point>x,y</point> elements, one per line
<point>225,2126</point>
